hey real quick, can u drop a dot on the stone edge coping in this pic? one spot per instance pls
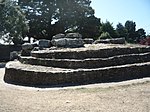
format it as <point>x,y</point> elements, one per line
<point>41,69</point>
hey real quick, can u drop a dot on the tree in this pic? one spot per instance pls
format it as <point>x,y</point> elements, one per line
<point>107,27</point>
<point>12,21</point>
<point>130,26</point>
<point>40,14</point>
<point>141,34</point>
<point>78,15</point>
<point>134,36</point>
<point>131,31</point>
<point>90,27</point>
<point>50,17</point>
<point>121,30</point>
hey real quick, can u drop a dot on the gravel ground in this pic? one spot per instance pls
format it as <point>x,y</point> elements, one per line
<point>130,96</point>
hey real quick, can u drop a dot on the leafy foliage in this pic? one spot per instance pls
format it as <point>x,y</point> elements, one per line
<point>141,34</point>
<point>49,17</point>
<point>145,41</point>
<point>12,21</point>
<point>40,14</point>
<point>131,31</point>
<point>134,36</point>
<point>105,35</point>
<point>90,27</point>
<point>128,31</point>
<point>121,30</point>
<point>108,27</point>
<point>130,26</point>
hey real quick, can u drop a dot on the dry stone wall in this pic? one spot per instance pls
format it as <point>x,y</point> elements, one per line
<point>67,66</point>
<point>26,76</point>
<point>88,63</point>
<point>98,53</point>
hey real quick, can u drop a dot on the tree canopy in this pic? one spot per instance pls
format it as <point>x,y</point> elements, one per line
<point>12,21</point>
<point>121,30</point>
<point>108,27</point>
<point>44,18</point>
<point>128,31</point>
<point>49,17</point>
<point>134,36</point>
<point>141,34</point>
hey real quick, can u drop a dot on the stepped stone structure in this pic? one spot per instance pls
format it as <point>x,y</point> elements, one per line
<point>92,63</point>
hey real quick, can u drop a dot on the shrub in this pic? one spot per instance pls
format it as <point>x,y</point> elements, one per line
<point>145,41</point>
<point>105,35</point>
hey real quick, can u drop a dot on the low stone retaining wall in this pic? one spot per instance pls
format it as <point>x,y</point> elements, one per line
<point>88,63</point>
<point>99,53</point>
<point>24,76</point>
<point>5,51</point>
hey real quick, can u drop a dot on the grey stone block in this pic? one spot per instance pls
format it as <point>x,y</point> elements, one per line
<point>14,55</point>
<point>76,42</point>
<point>73,35</point>
<point>58,36</point>
<point>27,46</point>
<point>26,49</point>
<point>68,42</point>
<point>88,40</point>
<point>61,42</point>
<point>44,43</point>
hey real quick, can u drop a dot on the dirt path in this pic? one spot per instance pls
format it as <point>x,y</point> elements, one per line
<point>93,98</point>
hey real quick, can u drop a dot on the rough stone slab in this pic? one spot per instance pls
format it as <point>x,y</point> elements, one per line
<point>43,43</point>
<point>91,51</point>
<point>58,36</point>
<point>27,46</point>
<point>73,35</point>
<point>68,42</point>
<point>23,74</point>
<point>88,63</point>
<point>88,40</point>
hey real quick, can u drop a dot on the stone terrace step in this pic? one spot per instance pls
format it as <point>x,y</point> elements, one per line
<point>88,63</point>
<point>24,74</point>
<point>91,51</point>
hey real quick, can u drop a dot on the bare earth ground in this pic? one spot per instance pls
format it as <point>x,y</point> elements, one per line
<point>130,96</point>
